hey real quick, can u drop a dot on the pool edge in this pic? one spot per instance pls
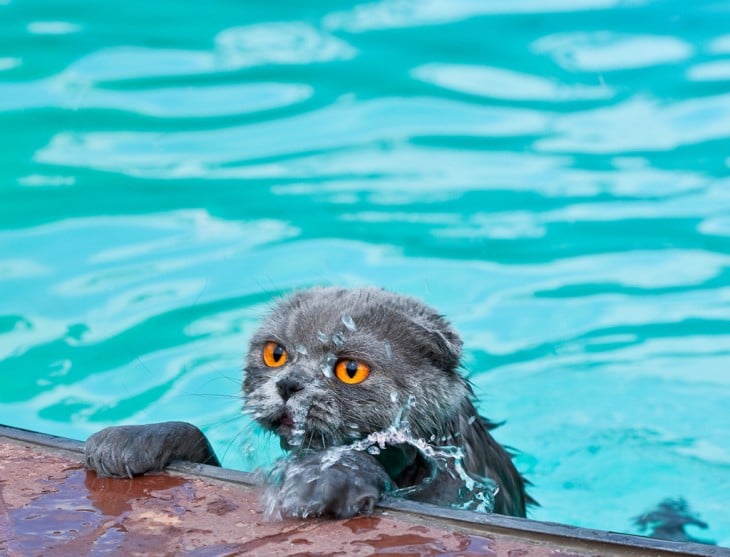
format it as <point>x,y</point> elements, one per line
<point>526,529</point>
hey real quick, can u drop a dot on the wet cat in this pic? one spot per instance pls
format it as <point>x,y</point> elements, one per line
<point>328,367</point>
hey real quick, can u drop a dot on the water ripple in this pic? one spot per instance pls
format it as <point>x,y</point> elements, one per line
<point>655,126</point>
<point>235,48</point>
<point>187,154</point>
<point>167,102</point>
<point>279,43</point>
<point>504,84</point>
<point>605,51</point>
<point>718,70</point>
<point>388,14</point>
<point>442,172</point>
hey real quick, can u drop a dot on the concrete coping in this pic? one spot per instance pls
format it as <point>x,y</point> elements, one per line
<point>544,534</point>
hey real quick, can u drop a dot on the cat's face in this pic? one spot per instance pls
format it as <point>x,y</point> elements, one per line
<point>329,366</point>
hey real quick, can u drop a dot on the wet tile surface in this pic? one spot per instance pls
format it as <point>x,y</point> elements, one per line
<point>51,506</point>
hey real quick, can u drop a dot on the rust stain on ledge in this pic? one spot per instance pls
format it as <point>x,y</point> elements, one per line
<point>51,505</point>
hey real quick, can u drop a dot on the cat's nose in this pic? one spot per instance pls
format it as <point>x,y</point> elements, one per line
<point>289,386</point>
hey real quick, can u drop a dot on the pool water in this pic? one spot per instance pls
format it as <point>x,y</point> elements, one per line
<point>553,176</point>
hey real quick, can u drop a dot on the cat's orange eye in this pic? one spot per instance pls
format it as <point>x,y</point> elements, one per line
<point>274,354</point>
<point>351,372</point>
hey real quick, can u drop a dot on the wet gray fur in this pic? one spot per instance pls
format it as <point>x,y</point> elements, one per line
<point>412,351</point>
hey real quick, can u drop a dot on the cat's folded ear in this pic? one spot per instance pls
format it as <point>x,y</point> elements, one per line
<point>439,339</point>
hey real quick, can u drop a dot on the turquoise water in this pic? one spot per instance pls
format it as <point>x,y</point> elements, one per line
<point>552,175</point>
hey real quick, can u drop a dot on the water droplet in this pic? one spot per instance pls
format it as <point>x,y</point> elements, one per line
<point>401,420</point>
<point>323,338</point>
<point>338,339</point>
<point>301,349</point>
<point>299,417</point>
<point>472,419</point>
<point>247,449</point>
<point>373,449</point>
<point>388,350</point>
<point>348,322</point>
<point>328,365</point>
<point>394,396</point>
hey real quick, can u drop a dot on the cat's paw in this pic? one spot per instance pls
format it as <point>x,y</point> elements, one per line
<point>330,483</point>
<point>126,451</point>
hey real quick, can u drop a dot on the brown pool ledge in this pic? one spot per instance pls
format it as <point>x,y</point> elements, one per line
<point>51,506</point>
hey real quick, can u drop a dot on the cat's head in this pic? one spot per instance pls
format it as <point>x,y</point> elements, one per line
<point>332,365</point>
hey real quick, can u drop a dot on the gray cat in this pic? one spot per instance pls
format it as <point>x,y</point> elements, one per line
<point>328,367</point>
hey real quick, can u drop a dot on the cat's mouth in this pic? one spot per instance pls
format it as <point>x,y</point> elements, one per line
<point>293,429</point>
<point>283,423</point>
<point>287,429</point>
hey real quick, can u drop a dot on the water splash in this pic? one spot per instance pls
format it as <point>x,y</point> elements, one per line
<point>323,338</point>
<point>327,365</point>
<point>469,491</point>
<point>348,322</point>
<point>299,419</point>
<point>401,420</point>
<point>474,492</point>
<point>355,432</point>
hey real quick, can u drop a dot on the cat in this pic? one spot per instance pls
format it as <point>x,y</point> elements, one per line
<point>328,367</point>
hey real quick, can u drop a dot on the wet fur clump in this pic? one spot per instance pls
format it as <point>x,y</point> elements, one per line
<point>413,354</point>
